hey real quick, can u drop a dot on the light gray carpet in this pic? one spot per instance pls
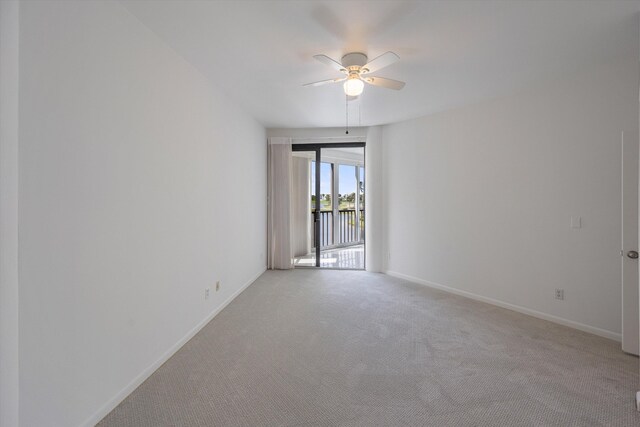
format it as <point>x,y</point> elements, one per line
<point>350,348</point>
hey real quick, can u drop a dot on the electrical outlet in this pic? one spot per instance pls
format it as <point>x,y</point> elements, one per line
<point>560,294</point>
<point>207,291</point>
<point>217,286</point>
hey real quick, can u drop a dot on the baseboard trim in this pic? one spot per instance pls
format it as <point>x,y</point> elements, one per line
<point>129,388</point>
<point>524,310</point>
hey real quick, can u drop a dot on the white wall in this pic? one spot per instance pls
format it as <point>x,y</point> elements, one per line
<point>9,77</point>
<point>319,134</point>
<point>374,201</point>
<point>479,199</point>
<point>140,185</point>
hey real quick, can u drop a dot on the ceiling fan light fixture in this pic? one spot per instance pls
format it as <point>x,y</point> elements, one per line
<point>353,86</point>
<point>356,71</point>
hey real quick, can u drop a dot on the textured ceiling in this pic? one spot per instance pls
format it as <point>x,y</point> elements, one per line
<point>453,53</point>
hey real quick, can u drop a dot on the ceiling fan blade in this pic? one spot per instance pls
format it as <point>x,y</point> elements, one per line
<point>324,82</point>
<point>384,82</point>
<point>330,62</point>
<point>380,62</point>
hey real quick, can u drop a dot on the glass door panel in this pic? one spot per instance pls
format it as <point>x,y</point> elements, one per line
<point>325,216</point>
<point>303,201</point>
<point>361,185</point>
<point>341,225</point>
<point>347,229</point>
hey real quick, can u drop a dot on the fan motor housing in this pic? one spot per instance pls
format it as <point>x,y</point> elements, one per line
<point>354,59</point>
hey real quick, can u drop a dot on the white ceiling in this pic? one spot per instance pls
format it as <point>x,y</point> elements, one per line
<point>453,53</point>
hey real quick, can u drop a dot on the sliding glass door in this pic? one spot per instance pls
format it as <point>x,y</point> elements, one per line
<point>329,184</point>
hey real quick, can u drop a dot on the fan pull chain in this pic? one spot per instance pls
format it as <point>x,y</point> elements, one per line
<point>346,109</point>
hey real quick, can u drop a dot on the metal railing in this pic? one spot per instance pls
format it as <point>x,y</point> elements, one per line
<point>347,232</point>
<point>326,228</point>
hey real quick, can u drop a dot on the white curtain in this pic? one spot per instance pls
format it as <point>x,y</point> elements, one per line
<point>279,236</point>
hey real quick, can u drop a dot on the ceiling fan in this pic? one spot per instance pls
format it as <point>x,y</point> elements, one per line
<point>357,71</point>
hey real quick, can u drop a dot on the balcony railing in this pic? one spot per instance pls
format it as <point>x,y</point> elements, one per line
<point>326,228</point>
<point>347,231</point>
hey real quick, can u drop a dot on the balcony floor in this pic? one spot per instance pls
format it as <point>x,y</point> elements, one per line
<point>350,257</point>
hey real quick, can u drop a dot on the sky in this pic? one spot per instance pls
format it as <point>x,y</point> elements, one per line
<point>347,180</point>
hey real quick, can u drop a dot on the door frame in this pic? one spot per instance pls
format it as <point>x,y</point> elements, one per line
<point>629,241</point>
